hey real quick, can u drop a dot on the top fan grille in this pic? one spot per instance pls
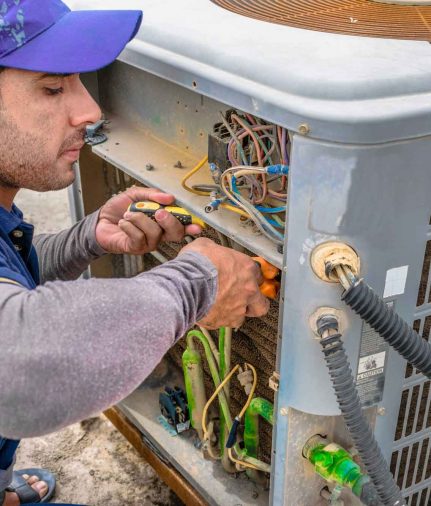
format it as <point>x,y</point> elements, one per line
<point>350,17</point>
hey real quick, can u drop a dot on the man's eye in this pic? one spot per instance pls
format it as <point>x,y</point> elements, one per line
<point>54,91</point>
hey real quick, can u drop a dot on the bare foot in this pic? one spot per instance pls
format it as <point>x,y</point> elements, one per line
<point>40,487</point>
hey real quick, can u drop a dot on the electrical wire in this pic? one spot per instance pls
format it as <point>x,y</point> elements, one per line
<point>211,399</point>
<point>266,228</point>
<point>190,174</point>
<point>262,224</point>
<point>255,176</point>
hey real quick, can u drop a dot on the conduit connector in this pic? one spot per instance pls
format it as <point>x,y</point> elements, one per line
<point>327,256</point>
<point>324,312</point>
<point>327,324</point>
<point>245,377</point>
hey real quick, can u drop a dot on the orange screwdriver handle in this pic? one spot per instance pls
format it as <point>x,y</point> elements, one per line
<point>270,286</point>
<point>269,271</point>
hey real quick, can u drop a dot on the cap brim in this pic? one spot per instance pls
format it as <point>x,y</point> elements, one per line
<point>81,41</point>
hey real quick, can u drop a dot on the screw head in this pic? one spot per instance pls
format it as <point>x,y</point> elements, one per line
<point>304,129</point>
<point>283,411</point>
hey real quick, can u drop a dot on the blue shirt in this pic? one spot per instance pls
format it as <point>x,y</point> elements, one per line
<point>18,265</point>
<point>18,258</point>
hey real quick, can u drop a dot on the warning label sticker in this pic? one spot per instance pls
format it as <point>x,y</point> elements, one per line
<point>371,365</point>
<point>370,379</point>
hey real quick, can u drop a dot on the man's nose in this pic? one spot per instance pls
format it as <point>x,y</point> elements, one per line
<point>84,109</point>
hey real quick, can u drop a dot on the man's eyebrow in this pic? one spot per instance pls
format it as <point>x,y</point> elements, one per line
<point>48,74</point>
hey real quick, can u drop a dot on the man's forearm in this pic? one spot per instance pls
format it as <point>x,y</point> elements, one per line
<point>70,350</point>
<point>67,254</point>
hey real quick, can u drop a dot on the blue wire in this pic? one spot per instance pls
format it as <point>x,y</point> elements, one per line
<point>270,210</point>
<point>274,223</point>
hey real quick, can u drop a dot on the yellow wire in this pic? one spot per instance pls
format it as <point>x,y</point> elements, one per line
<point>211,399</point>
<point>190,174</point>
<point>241,462</point>
<point>244,409</point>
<point>206,194</point>
<point>235,210</point>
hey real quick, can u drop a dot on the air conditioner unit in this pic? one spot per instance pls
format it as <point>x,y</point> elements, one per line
<point>357,110</point>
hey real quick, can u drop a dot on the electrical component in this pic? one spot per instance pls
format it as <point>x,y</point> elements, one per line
<point>173,405</point>
<point>335,465</point>
<point>274,381</point>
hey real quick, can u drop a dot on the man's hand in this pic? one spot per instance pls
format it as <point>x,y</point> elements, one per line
<point>238,292</point>
<point>119,231</point>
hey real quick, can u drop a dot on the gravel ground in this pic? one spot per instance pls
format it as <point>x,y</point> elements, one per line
<point>93,463</point>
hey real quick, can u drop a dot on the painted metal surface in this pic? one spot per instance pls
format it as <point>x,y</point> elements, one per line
<point>287,75</point>
<point>360,196</point>
<point>375,196</point>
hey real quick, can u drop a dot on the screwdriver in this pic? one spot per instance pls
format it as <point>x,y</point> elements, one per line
<point>271,284</point>
<point>150,208</point>
<point>271,278</point>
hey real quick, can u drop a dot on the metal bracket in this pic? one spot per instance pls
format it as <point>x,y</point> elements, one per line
<point>93,134</point>
<point>274,381</point>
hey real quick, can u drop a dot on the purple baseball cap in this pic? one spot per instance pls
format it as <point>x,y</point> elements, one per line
<point>46,36</point>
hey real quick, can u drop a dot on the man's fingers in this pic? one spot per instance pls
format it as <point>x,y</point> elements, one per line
<point>259,275</point>
<point>258,306</point>
<point>193,230</point>
<point>137,193</point>
<point>137,240</point>
<point>144,233</point>
<point>172,228</point>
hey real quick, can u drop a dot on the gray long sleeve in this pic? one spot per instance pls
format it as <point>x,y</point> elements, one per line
<point>67,254</point>
<point>71,349</point>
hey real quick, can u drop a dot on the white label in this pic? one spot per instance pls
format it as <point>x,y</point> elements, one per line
<point>395,281</point>
<point>371,365</point>
<point>181,427</point>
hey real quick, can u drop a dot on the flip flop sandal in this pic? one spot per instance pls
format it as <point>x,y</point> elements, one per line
<point>25,492</point>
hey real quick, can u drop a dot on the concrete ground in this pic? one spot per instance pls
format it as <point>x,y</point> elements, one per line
<point>93,463</point>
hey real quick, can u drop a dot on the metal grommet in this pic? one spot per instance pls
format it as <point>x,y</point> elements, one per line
<point>18,233</point>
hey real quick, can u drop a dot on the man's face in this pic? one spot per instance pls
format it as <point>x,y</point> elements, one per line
<point>42,127</point>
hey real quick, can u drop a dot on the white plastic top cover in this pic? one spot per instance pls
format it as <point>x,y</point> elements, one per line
<point>345,88</point>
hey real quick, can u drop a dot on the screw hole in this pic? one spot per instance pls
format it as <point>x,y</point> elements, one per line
<point>194,84</point>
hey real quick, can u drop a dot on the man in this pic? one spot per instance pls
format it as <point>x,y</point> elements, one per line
<point>72,348</point>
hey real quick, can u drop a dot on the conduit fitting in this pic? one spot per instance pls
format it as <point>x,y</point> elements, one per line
<point>326,257</point>
<point>324,312</point>
<point>336,466</point>
<point>327,325</point>
<point>246,379</point>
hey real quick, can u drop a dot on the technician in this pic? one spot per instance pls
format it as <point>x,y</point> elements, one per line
<point>71,348</point>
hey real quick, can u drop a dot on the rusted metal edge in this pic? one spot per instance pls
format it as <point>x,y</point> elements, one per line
<point>167,473</point>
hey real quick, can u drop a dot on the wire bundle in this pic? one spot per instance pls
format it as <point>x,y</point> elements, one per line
<point>258,153</point>
<point>255,143</point>
<point>231,185</point>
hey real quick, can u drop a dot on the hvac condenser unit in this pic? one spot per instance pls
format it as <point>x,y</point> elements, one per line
<point>335,91</point>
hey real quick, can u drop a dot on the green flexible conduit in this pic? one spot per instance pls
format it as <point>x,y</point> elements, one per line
<point>259,407</point>
<point>224,353</point>
<point>189,358</point>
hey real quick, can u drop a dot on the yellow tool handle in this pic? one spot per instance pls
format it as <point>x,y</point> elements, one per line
<point>149,208</point>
